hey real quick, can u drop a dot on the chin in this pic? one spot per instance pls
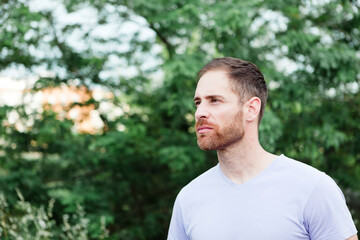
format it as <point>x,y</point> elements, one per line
<point>207,146</point>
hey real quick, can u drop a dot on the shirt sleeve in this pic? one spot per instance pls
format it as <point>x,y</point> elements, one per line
<point>326,215</point>
<point>177,228</point>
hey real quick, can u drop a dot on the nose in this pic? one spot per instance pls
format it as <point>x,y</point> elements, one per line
<point>201,112</point>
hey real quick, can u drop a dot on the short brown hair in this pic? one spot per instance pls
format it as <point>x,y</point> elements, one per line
<point>246,78</point>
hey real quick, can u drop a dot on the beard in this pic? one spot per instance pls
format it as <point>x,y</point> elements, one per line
<point>220,138</point>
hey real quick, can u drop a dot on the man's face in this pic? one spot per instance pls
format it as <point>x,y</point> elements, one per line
<point>219,121</point>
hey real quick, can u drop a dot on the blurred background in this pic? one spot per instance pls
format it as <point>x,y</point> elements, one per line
<point>96,110</point>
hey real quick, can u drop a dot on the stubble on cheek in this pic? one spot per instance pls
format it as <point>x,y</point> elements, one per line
<point>209,141</point>
<point>221,138</point>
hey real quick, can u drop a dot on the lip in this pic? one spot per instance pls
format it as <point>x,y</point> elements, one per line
<point>203,129</point>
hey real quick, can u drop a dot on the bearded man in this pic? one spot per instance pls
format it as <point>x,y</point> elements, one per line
<point>251,194</point>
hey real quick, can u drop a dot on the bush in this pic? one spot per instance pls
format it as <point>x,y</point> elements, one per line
<point>24,221</point>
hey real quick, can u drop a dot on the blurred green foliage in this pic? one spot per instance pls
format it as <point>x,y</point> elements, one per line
<point>131,170</point>
<point>28,222</point>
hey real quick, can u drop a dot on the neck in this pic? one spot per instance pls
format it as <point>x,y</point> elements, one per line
<point>244,160</point>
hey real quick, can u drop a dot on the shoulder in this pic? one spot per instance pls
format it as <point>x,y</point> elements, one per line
<point>305,176</point>
<point>297,165</point>
<point>299,170</point>
<point>295,178</point>
<point>326,214</point>
<point>200,184</point>
<point>324,209</point>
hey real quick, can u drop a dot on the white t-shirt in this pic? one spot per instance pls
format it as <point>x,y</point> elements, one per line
<point>287,201</point>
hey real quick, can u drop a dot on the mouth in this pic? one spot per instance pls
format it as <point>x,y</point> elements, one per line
<point>203,129</point>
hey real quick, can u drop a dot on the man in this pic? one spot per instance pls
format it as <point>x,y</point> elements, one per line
<point>251,194</point>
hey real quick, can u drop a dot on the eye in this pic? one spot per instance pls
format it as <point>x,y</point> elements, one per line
<point>197,103</point>
<point>214,100</point>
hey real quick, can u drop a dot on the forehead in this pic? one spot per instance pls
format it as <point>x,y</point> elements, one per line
<point>214,83</point>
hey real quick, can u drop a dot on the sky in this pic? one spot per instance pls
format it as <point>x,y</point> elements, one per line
<point>124,30</point>
<point>14,80</point>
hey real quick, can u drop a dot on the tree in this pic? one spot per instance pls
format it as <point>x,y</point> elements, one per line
<point>132,169</point>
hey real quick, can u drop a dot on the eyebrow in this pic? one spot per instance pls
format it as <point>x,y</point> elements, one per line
<point>208,97</point>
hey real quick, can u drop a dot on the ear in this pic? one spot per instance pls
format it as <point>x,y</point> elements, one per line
<point>252,109</point>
